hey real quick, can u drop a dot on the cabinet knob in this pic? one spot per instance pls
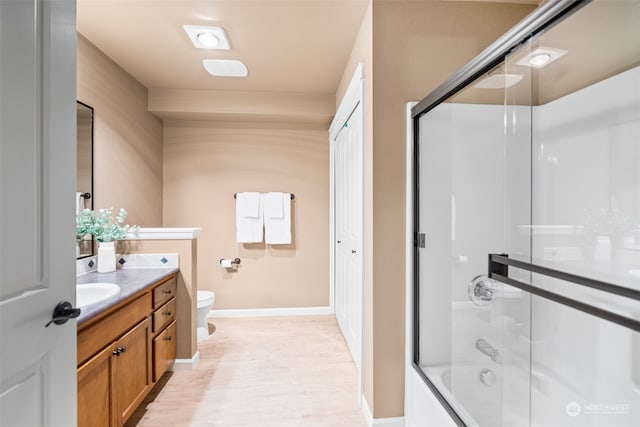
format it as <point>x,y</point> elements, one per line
<point>123,349</point>
<point>167,313</point>
<point>168,338</point>
<point>353,251</point>
<point>116,352</point>
<point>167,291</point>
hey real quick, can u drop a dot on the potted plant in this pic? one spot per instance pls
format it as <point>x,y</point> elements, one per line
<point>106,231</point>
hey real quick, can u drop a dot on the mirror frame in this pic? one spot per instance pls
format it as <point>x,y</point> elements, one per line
<point>91,190</point>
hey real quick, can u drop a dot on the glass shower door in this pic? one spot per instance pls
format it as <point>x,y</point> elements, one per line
<point>474,192</point>
<point>527,281</point>
<point>585,215</point>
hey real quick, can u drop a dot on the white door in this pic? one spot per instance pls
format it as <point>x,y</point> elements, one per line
<point>37,185</point>
<point>348,232</point>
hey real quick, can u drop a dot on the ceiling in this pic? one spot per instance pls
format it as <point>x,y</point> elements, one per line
<point>288,46</point>
<point>602,39</point>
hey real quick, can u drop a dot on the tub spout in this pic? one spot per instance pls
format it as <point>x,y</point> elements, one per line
<point>485,348</point>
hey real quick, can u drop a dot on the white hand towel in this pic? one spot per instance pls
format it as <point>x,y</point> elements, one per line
<point>278,229</point>
<point>248,204</point>
<point>249,221</point>
<point>274,204</point>
<point>79,203</point>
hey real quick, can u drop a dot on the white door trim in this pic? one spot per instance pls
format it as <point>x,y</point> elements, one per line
<point>353,97</point>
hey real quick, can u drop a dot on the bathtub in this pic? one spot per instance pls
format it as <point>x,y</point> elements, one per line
<point>582,373</point>
<point>520,397</point>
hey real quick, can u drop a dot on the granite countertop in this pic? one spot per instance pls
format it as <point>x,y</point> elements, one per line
<point>131,282</point>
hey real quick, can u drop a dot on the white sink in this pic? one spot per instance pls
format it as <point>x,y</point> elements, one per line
<point>91,293</point>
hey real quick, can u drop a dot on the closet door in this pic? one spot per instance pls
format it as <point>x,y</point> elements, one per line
<point>348,223</point>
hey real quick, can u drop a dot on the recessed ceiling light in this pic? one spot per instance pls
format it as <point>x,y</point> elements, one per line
<point>541,57</point>
<point>208,40</point>
<point>204,37</point>
<point>539,60</point>
<point>225,68</point>
<point>498,81</point>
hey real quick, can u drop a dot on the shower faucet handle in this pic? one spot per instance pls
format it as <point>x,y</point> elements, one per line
<point>482,290</point>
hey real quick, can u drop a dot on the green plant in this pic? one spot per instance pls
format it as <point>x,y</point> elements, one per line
<point>102,225</point>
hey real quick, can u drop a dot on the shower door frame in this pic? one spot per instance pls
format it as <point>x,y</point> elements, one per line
<point>536,23</point>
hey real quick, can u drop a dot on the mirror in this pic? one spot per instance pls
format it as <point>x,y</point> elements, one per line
<point>84,172</point>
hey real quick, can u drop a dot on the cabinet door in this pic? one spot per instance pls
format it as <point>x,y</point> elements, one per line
<point>133,367</point>
<point>164,351</point>
<point>95,379</point>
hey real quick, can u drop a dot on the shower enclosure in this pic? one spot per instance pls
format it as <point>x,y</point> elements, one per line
<point>526,294</point>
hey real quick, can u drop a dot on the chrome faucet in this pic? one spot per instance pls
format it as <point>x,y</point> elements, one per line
<point>485,348</point>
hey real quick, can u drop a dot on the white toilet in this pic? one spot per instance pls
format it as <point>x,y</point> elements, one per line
<point>205,304</point>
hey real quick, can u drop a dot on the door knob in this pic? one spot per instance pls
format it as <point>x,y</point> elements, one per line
<point>62,313</point>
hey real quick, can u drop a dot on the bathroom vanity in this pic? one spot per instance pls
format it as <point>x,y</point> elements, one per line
<point>125,344</point>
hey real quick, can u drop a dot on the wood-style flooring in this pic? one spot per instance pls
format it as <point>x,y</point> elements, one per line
<point>261,372</point>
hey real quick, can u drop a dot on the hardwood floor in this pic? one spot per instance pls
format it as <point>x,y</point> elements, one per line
<point>261,372</point>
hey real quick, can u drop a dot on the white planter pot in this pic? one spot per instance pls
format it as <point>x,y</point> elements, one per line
<point>106,257</point>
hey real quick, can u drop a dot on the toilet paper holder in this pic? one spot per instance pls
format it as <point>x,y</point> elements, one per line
<point>235,261</point>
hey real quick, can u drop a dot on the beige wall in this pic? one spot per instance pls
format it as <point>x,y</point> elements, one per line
<point>127,138</point>
<point>415,47</point>
<point>205,163</point>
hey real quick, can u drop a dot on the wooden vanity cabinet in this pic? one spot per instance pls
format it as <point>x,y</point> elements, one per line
<point>123,354</point>
<point>95,388</point>
<point>132,370</point>
<point>164,351</point>
<point>164,329</point>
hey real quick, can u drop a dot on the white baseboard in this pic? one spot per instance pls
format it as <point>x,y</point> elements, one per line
<point>186,364</point>
<point>379,422</point>
<point>266,312</point>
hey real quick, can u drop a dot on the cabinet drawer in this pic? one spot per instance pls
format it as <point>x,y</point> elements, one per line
<point>164,351</point>
<point>164,315</point>
<point>164,292</point>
